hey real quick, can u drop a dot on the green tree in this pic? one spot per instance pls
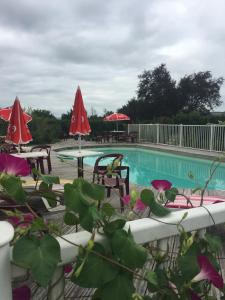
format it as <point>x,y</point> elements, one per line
<point>45,127</point>
<point>199,92</point>
<point>157,94</point>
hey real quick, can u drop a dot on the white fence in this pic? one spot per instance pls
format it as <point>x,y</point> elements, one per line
<point>204,137</point>
<point>144,230</point>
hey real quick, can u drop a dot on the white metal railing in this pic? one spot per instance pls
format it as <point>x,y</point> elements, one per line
<point>144,230</point>
<point>205,137</point>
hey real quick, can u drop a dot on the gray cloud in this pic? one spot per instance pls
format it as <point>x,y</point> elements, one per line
<point>49,47</point>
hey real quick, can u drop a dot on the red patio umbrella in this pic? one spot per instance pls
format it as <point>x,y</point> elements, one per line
<point>116,117</point>
<point>18,131</point>
<point>5,114</point>
<point>79,124</point>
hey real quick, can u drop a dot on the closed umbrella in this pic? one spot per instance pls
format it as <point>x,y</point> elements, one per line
<point>5,114</point>
<point>79,124</point>
<point>116,117</point>
<point>18,132</point>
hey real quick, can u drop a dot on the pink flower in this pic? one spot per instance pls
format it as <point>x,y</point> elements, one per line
<point>194,296</point>
<point>22,293</point>
<point>126,199</point>
<point>208,272</point>
<point>161,185</point>
<point>139,205</point>
<point>13,165</point>
<point>68,268</point>
<point>18,220</point>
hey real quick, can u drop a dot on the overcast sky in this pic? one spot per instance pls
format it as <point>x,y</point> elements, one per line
<point>49,47</point>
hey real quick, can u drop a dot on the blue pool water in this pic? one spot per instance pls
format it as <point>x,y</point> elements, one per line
<point>147,165</point>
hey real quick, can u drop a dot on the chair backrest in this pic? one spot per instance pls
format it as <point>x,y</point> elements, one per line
<point>8,148</point>
<point>46,148</point>
<point>113,156</point>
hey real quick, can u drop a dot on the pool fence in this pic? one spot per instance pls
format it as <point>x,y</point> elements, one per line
<point>205,137</point>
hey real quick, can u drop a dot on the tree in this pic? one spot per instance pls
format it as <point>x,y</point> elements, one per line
<point>156,93</point>
<point>199,92</point>
<point>45,127</point>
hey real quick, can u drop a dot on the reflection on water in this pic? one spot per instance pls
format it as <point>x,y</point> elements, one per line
<point>147,165</point>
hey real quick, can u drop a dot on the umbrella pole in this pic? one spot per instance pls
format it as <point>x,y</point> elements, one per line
<point>116,126</point>
<point>79,142</point>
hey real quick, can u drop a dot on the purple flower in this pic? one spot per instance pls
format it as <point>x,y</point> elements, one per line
<point>194,296</point>
<point>18,220</point>
<point>208,272</point>
<point>13,165</point>
<point>126,199</point>
<point>139,205</point>
<point>22,293</point>
<point>68,268</point>
<point>161,185</point>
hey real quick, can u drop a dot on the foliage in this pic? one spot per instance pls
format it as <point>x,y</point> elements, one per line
<point>159,96</point>
<point>111,267</point>
<point>45,127</point>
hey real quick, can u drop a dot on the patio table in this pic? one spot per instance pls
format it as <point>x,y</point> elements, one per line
<point>117,133</point>
<point>79,155</point>
<point>33,155</point>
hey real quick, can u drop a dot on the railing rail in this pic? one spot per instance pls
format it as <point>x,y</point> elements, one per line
<point>144,230</point>
<point>204,137</point>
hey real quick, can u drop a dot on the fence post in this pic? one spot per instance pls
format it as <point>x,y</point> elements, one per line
<point>139,132</point>
<point>6,235</point>
<point>157,133</point>
<point>211,138</point>
<point>181,135</point>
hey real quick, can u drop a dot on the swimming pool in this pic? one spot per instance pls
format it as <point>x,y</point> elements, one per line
<point>147,165</point>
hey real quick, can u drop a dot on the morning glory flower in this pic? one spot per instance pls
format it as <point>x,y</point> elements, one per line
<point>22,292</point>
<point>139,205</point>
<point>161,185</point>
<point>126,199</point>
<point>208,272</point>
<point>13,165</point>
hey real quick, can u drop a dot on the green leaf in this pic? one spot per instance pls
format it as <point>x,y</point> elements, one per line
<point>12,185</point>
<point>50,197</point>
<point>49,179</point>
<point>114,225</point>
<point>40,256</point>
<point>148,198</point>
<point>215,242</point>
<point>95,271</point>
<point>187,263</point>
<point>130,253</point>
<point>108,210</point>
<point>120,288</point>
<point>88,217</point>
<point>70,219</point>
<point>93,191</point>
<point>152,277</point>
<point>171,194</point>
<point>72,198</point>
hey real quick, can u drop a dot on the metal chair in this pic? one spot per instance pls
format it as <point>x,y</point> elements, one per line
<point>39,162</point>
<point>100,167</point>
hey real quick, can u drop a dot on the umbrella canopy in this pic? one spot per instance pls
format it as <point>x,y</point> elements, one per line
<point>79,124</point>
<point>116,117</point>
<point>18,131</point>
<point>5,114</point>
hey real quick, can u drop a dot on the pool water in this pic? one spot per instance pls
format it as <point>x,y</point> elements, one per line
<point>147,165</point>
